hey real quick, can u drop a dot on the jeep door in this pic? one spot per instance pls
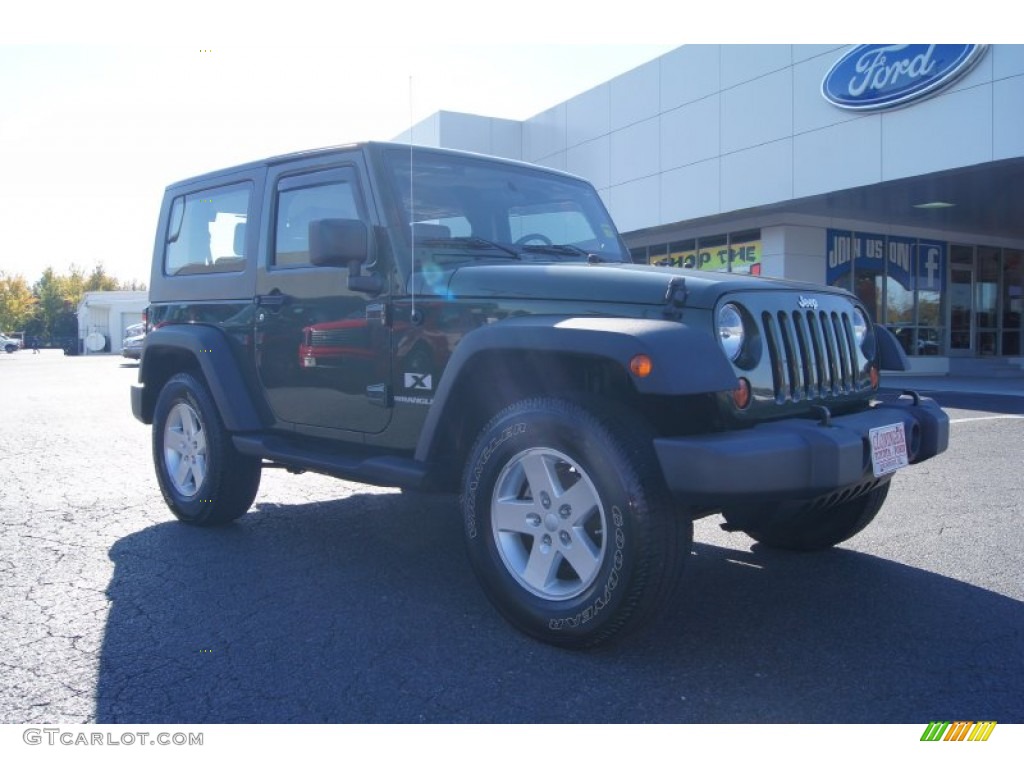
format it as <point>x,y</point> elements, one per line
<point>322,350</point>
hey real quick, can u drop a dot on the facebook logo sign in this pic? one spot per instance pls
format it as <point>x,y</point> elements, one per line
<point>931,265</point>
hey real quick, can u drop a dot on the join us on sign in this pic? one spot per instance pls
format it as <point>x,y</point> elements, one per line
<point>913,262</point>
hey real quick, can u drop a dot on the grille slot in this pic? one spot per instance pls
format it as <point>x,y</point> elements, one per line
<point>812,354</point>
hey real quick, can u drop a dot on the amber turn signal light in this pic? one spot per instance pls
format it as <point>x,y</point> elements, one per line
<point>741,395</point>
<point>641,366</point>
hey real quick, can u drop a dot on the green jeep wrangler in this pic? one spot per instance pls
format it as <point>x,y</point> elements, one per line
<point>446,322</point>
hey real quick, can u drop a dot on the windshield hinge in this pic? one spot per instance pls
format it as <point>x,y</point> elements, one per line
<point>675,298</point>
<point>378,312</point>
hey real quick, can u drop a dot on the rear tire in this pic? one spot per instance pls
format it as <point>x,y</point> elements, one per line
<point>204,479</point>
<point>569,526</point>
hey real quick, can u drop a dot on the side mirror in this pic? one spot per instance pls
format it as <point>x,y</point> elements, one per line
<point>343,243</point>
<point>338,242</point>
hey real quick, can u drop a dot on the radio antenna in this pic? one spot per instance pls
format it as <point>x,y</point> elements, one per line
<point>413,317</point>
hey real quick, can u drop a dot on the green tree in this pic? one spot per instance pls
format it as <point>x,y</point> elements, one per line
<point>99,280</point>
<point>57,298</point>
<point>17,304</point>
<point>132,285</point>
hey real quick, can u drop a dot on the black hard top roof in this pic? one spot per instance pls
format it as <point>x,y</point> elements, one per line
<point>373,146</point>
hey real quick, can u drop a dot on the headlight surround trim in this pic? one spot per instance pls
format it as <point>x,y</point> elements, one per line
<point>731,330</point>
<point>864,334</point>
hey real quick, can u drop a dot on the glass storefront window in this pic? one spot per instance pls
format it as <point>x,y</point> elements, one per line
<point>938,298</point>
<point>961,288</point>
<point>738,252</point>
<point>870,289</point>
<point>844,281</point>
<point>986,298</point>
<point>680,250</point>
<point>658,254</point>
<point>713,253</point>
<point>901,280</point>
<point>930,331</point>
<point>1013,296</point>
<point>899,312</point>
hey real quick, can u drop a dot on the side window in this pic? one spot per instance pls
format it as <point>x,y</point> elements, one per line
<point>206,231</point>
<point>297,206</point>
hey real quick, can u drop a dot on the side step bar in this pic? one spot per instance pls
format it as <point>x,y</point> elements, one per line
<point>384,470</point>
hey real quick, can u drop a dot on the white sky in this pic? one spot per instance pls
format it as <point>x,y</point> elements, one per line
<point>90,136</point>
<point>102,104</point>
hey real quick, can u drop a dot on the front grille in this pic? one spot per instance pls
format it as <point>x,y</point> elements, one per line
<point>812,353</point>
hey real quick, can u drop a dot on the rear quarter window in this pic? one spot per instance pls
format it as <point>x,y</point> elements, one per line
<point>206,231</point>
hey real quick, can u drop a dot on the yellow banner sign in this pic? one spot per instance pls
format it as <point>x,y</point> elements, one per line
<point>745,258</point>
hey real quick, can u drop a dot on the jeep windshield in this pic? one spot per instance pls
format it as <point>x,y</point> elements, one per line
<point>478,208</point>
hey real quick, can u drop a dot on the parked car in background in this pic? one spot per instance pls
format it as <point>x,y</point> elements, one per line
<point>9,344</point>
<point>134,329</point>
<point>132,346</point>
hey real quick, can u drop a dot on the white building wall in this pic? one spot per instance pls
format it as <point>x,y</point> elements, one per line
<point>819,167</point>
<point>109,313</point>
<point>748,124</point>
<point>793,251</point>
<point>544,137</point>
<point>957,131</point>
<point>1008,117</point>
<point>689,74</point>
<point>712,129</point>
<point>635,96</point>
<point>472,133</point>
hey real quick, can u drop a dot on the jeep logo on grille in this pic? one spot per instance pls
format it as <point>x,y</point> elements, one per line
<point>806,303</point>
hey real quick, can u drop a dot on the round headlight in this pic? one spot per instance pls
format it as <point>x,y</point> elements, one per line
<point>730,330</point>
<point>863,333</point>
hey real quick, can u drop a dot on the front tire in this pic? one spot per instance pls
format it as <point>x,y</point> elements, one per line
<point>569,526</point>
<point>204,479</point>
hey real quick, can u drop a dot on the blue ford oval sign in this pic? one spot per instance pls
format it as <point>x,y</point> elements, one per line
<point>885,76</point>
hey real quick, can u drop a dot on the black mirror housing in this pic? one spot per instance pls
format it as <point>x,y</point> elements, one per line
<point>337,242</point>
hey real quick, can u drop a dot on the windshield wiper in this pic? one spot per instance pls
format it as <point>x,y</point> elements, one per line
<point>565,249</point>
<point>472,243</point>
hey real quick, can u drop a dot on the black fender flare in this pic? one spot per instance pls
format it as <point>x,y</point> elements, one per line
<point>891,356</point>
<point>209,347</point>
<point>687,360</point>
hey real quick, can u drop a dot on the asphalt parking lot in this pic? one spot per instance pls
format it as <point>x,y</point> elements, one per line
<point>336,602</point>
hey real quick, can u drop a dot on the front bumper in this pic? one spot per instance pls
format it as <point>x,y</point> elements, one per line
<point>794,459</point>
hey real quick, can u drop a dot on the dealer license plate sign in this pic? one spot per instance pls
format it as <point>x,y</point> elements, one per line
<point>888,449</point>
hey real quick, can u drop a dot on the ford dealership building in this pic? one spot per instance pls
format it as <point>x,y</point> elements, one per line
<point>896,171</point>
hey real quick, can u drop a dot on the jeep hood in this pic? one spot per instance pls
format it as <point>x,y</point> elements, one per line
<point>602,283</point>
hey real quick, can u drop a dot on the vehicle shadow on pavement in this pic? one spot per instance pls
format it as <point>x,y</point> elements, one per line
<point>364,610</point>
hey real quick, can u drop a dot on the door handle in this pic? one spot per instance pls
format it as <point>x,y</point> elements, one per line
<point>272,300</point>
